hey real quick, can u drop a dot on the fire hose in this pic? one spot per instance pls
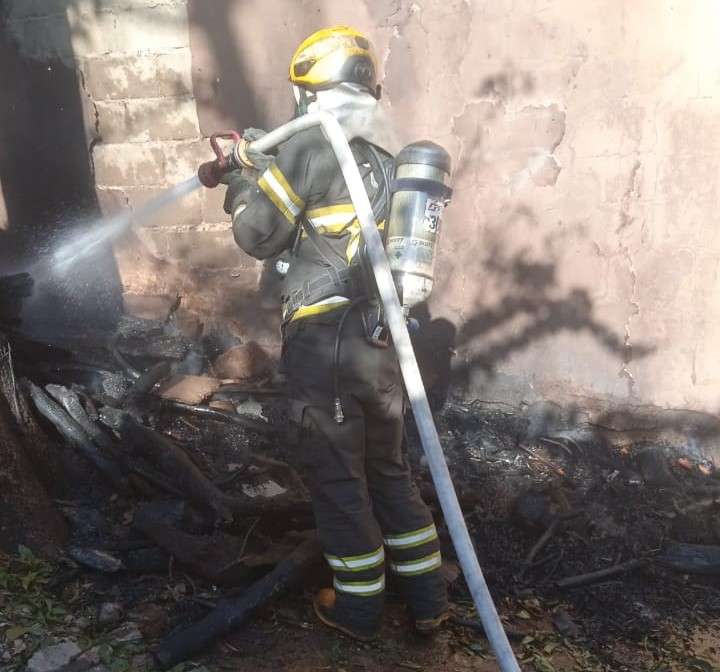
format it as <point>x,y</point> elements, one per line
<point>209,175</point>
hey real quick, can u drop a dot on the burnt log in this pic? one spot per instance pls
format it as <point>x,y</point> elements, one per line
<point>70,401</point>
<point>71,430</point>
<point>601,574</point>
<point>223,416</point>
<point>216,557</point>
<point>232,613</point>
<point>175,464</point>
<point>147,381</point>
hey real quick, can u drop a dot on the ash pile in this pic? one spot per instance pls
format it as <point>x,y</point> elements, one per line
<point>154,448</point>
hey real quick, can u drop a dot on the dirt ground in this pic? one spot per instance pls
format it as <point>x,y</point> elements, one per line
<point>615,503</point>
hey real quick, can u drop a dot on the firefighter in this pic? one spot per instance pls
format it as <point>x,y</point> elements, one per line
<point>343,374</point>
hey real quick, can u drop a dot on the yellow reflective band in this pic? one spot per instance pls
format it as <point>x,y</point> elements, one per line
<point>324,306</point>
<point>354,243</point>
<point>414,567</point>
<point>328,210</point>
<point>412,539</point>
<point>331,220</point>
<point>285,185</point>
<point>357,563</point>
<point>276,188</point>
<point>360,588</point>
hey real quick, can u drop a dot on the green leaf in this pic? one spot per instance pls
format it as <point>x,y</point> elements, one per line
<point>27,580</point>
<point>542,664</point>
<point>105,652</point>
<point>16,632</point>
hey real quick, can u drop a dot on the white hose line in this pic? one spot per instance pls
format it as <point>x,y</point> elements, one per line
<point>411,375</point>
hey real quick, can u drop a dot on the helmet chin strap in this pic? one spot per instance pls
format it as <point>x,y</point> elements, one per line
<point>303,100</point>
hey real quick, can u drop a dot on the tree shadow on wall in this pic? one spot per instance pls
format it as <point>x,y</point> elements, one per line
<point>529,305</point>
<point>225,68</point>
<point>224,87</point>
<point>531,294</point>
<point>47,180</point>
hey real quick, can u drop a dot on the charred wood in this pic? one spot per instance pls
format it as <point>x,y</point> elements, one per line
<point>155,347</point>
<point>216,557</point>
<point>174,462</point>
<point>69,429</point>
<point>231,614</point>
<point>70,401</point>
<point>600,575</point>
<point>147,380</point>
<point>215,414</point>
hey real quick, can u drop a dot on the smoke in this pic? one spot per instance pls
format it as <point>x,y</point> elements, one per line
<point>360,114</point>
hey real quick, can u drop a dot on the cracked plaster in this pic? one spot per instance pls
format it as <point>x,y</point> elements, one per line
<point>586,150</point>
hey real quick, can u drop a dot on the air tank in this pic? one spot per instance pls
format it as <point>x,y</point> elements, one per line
<point>420,192</point>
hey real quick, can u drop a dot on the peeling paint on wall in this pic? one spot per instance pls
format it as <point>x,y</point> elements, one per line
<point>580,256</point>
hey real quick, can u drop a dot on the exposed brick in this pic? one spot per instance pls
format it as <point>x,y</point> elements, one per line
<point>43,8</point>
<point>112,200</point>
<point>143,120</point>
<point>212,205</point>
<point>142,30</point>
<point>129,164</point>
<point>112,78</point>
<point>184,158</point>
<point>121,5</point>
<point>200,249</point>
<point>184,214</point>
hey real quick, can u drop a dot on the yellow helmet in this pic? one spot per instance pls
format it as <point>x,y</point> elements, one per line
<point>332,56</point>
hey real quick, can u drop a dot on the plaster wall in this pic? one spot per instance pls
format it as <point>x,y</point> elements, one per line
<point>579,259</point>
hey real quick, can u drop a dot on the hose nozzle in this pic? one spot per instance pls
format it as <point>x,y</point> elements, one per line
<point>211,172</point>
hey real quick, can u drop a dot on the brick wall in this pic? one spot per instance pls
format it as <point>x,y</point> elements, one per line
<point>579,258</point>
<point>134,68</point>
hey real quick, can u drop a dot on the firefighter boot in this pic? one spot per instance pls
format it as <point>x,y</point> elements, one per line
<point>324,605</point>
<point>427,627</point>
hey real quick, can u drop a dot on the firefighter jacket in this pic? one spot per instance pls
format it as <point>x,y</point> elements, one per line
<point>301,203</point>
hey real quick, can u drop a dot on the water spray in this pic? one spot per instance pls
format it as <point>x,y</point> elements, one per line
<point>84,244</point>
<point>210,174</point>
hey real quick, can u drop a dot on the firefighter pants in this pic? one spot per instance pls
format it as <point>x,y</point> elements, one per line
<point>367,509</point>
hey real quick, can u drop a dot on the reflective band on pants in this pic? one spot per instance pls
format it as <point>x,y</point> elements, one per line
<point>421,566</point>
<point>357,563</point>
<point>411,539</point>
<point>361,588</point>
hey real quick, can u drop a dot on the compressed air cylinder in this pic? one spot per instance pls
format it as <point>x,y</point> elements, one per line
<point>420,192</point>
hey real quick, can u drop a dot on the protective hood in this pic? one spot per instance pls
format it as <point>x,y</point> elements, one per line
<point>360,114</point>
